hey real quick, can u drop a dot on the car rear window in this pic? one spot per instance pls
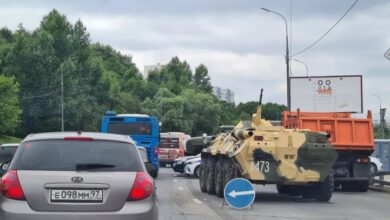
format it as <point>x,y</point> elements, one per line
<point>169,143</point>
<point>61,155</point>
<point>6,153</point>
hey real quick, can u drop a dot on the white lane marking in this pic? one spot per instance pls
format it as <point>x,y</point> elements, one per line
<point>197,201</point>
<point>181,188</point>
<point>174,180</point>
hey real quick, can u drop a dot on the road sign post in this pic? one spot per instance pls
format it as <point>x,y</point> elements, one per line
<point>239,193</point>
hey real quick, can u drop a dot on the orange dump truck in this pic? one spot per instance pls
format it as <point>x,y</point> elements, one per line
<point>353,139</point>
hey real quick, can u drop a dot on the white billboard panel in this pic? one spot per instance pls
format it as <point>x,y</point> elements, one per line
<point>327,93</point>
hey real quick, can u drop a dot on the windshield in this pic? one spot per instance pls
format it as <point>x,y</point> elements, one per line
<point>6,153</point>
<point>130,128</point>
<point>169,143</point>
<point>63,155</point>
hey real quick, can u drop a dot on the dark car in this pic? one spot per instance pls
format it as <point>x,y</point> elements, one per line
<point>7,152</point>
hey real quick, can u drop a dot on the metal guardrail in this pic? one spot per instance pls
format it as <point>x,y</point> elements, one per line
<point>381,181</point>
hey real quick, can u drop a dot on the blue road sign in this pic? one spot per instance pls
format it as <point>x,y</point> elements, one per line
<point>239,193</point>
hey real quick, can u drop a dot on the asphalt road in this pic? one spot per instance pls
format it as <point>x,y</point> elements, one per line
<point>180,198</point>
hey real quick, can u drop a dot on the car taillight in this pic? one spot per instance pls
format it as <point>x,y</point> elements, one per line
<point>142,188</point>
<point>362,160</point>
<point>155,151</point>
<point>10,186</point>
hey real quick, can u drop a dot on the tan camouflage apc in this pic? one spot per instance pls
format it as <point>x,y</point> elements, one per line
<point>299,162</point>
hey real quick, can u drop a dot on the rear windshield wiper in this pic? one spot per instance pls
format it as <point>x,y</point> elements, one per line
<point>92,166</point>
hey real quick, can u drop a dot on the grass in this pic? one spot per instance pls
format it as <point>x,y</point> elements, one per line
<point>9,139</point>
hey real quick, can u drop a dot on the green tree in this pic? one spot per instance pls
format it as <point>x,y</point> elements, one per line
<point>273,111</point>
<point>203,111</point>
<point>9,105</point>
<point>270,111</point>
<point>201,79</point>
<point>379,134</point>
<point>176,76</point>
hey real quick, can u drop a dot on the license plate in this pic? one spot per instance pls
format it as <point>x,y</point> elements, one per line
<point>77,195</point>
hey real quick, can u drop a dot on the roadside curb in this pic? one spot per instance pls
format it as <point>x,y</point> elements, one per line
<point>380,189</point>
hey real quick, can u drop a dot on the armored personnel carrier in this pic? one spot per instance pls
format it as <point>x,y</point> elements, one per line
<point>298,161</point>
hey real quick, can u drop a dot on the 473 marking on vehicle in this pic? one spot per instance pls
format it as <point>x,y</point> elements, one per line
<point>263,166</point>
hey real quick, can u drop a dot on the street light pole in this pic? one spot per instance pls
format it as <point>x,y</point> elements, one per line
<point>380,114</point>
<point>287,58</point>
<point>307,69</point>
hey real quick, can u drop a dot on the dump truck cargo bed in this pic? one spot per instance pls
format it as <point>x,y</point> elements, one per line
<point>353,138</point>
<point>346,133</point>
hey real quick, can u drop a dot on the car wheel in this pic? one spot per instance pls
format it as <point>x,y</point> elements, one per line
<point>197,172</point>
<point>373,168</point>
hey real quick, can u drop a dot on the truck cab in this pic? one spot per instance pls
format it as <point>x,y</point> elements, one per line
<point>172,146</point>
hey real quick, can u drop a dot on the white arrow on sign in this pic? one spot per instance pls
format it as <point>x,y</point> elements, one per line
<point>387,54</point>
<point>234,194</point>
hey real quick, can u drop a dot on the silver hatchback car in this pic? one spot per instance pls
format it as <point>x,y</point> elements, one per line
<point>77,176</point>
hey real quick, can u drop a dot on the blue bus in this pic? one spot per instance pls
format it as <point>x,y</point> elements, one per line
<point>143,129</point>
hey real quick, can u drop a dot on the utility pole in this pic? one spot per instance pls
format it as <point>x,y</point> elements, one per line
<point>62,101</point>
<point>287,58</point>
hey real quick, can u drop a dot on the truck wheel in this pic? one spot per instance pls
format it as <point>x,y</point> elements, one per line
<point>348,187</point>
<point>324,189</point>
<point>219,174</point>
<point>203,174</point>
<point>363,186</point>
<point>282,189</point>
<point>210,183</point>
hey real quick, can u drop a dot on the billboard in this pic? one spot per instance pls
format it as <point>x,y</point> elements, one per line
<point>327,93</point>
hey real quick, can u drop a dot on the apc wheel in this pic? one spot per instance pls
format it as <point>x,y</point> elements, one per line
<point>295,190</point>
<point>203,174</point>
<point>210,183</point>
<point>219,178</point>
<point>324,190</point>
<point>282,189</point>
<point>228,171</point>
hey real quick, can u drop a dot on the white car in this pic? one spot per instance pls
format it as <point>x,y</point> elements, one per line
<point>178,165</point>
<point>192,167</point>
<point>376,164</point>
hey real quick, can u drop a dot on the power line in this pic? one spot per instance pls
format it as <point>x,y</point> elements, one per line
<point>330,29</point>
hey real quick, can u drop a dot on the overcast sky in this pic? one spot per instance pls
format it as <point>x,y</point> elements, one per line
<point>242,46</point>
